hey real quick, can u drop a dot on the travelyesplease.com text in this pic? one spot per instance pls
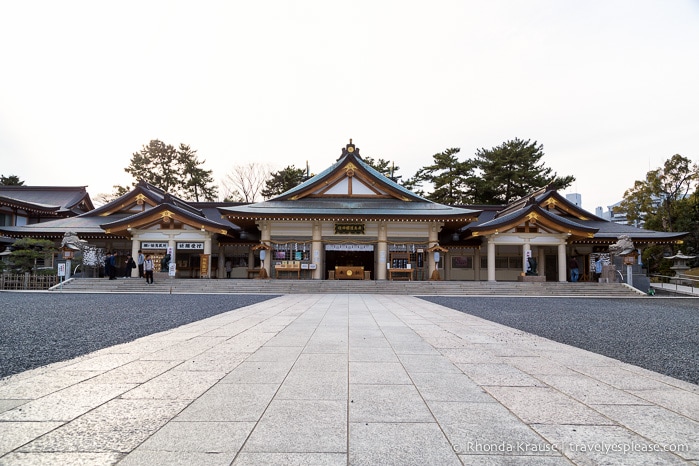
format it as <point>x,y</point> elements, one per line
<point>525,447</point>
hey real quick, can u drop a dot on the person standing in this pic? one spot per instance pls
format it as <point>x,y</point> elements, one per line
<point>229,267</point>
<point>113,266</point>
<point>108,265</point>
<point>130,265</point>
<point>148,269</point>
<point>574,269</point>
<point>598,268</point>
<point>139,260</point>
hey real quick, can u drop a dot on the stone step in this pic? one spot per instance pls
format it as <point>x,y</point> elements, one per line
<point>288,286</point>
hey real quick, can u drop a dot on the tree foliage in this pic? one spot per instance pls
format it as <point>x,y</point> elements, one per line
<point>448,176</point>
<point>513,170</point>
<point>663,199</point>
<point>156,163</point>
<point>176,171</point>
<point>27,252</point>
<point>283,180</point>
<point>198,183</point>
<point>667,200</point>
<point>11,180</point>
<point>385,167</point>
<point>493,176</point>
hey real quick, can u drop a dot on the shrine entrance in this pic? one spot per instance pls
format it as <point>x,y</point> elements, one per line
<point>349,255</point>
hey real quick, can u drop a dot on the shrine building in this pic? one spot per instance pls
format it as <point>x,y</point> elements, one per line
<point>348,222</point>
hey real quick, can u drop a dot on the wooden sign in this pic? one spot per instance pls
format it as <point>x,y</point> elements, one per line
<point>349,228</point>
<point>204,265</point>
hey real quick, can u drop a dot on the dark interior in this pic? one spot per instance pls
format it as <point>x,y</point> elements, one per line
<point>355,258</point>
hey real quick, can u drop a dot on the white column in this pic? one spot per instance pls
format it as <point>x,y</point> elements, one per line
<point>134,254</point>
<point>541,261</point>
<point>477,264</point>
<point>432,240</point>
<point>317,250</point>
<point>265,237</point>
<point>562,262</point>
<point>220,272</point>
<point>491,260</point>
<point>382,252</point>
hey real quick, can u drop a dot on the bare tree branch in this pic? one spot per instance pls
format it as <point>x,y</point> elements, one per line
<point>244,182</point>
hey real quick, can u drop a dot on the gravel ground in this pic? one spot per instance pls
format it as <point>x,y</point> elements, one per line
<point>659,334</point>
<point>40,328</point>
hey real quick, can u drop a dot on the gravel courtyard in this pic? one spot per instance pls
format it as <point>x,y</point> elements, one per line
<point>40,328</point>
<point>659,334</point>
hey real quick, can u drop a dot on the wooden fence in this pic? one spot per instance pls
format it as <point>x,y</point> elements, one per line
<point>27,281</point>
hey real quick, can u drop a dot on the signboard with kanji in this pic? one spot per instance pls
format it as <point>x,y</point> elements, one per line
<point>204,265</point>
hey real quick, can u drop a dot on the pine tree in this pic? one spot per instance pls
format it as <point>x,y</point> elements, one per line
<point>449,177</point>
<point>282,181</point>
<point>197,181</point>
<point>12,180</point>
<point>157,163</point>
<point>513,170</point>
<point>385,167</point>
<point>176,171</point>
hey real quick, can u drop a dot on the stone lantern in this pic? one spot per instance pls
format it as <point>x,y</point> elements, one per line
<point>680,263</point>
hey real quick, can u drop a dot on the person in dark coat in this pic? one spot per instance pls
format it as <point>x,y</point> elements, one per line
<point>574,269</point>
<point>108,265</point>
<point>113,266</point>
<point>130,264</point>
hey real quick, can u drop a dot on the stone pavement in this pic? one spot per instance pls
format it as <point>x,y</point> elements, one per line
<point>346,379</point>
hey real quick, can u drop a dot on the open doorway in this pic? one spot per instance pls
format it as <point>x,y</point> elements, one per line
<point>350,258</point>
<point>551,267</point>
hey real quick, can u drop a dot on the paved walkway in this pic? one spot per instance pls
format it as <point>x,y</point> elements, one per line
<point>677,288</point>
<point>346,379</point>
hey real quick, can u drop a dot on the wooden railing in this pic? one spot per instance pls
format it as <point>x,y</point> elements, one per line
<point>27,281</point>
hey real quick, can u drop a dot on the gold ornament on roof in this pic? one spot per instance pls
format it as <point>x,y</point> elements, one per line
<point>350,168</point>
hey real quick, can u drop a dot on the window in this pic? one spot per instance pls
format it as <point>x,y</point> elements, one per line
<point>503,262</point>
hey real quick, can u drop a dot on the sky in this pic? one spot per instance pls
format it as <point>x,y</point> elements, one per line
<point>608,87</point>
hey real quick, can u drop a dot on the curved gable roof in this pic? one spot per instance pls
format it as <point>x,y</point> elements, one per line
<point>350,164</point>
<point>143,193</point>
<point>164,212</point>
<point>52,200</point>
<point>532,213</point>
<point>549,198</point>
<point>332,195</point>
